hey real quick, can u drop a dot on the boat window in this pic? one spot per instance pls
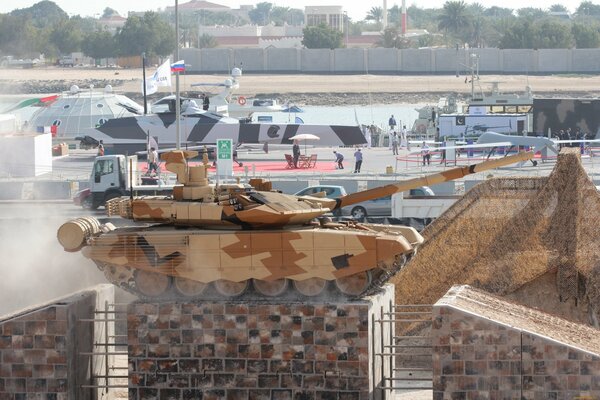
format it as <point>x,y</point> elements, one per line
<point>497,109</point>
<point>56,122</point>
<point>101,122</point>
<point>524,109</point>
<point>66,106</point>
<point>103,167</point>
<point>99,105</point>
<point>510,109</point>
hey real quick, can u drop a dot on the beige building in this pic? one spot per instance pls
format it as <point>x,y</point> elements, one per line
<point>332,16</point>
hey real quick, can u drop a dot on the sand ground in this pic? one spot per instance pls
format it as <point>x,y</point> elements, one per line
<point>321,89</point>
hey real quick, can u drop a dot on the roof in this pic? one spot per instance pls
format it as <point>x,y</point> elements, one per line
<point>493,308</point>
<point>199,5</point>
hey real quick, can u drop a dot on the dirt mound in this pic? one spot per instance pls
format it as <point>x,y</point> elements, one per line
<point>506,236</point>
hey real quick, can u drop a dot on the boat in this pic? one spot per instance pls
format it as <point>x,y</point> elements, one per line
<point>198,127</point>
<point>71,113</point>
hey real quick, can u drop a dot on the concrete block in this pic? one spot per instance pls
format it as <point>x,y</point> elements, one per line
<point>416,61</point>
<point>193,59</point>
<point>216,61</point>
<point>349,60</point>
<point>51,190</point>
<point>522,61</point>
<point>250,59</point>
<point>554,60</point>
<point>316,60</point>
<point>585,60</point>
<point>11,190</point>
<point>282,60</point>
<point>381,59</point>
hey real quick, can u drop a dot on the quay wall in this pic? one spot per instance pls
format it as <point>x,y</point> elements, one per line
<point>391,61</point>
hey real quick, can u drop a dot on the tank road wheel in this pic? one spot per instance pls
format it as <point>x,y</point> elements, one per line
<point>354,285</point>
<point>310,287</point>
<point>229,288</point>
<point>188,287</point>
<point>271,288</point>
<point>151,284</point>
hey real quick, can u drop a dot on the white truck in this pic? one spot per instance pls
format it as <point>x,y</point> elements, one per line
<point>111,178</point>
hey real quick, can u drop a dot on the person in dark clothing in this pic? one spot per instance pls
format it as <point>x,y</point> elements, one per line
<point>296,153</point>
<point>358,157</point>
<point>339,159</point>
<point>205,103</point>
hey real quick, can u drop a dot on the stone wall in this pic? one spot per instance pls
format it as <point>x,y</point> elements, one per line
<point>502,351</point>
<point>40,349</point>
<point>241,350</point>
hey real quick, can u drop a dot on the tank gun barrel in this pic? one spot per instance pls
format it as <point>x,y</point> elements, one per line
<point>448,175</point>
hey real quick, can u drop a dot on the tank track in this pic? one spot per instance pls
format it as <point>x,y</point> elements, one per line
<point>123,277</point>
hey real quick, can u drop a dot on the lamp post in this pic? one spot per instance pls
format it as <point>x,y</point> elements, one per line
<point>347,29</point>
<point>177,105</point>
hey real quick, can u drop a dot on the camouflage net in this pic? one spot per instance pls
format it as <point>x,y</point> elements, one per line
<point>508,232</point>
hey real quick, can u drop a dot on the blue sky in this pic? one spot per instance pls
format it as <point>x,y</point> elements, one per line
<point>356,9</point>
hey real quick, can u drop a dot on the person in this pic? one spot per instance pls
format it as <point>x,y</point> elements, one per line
<point>425,153</point>
<point>339,159</point>
<point>101,148</point>
<point>404,137</point>
<point>392,122</point>
<point>205,103</point>
<point>153,161</point>
<point>296,153</point>
<point>394,143</point>
<point>358,157</point>
<point>266,147</point>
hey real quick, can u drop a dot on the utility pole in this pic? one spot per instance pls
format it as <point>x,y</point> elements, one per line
<point>177,103</point>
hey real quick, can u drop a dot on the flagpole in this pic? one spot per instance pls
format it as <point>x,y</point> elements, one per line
<point>144,82</point>
<point>177,104</point>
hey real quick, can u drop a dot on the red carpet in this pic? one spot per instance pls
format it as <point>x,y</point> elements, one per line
<point>266,166</point>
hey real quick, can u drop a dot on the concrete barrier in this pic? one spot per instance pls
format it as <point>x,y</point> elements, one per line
<point>51,190</point>
<point>11,190</point>
<point>391,61</point>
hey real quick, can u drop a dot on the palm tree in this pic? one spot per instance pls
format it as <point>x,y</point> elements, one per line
<point>207,41</point>
<point>558,8</point>
<point>455,18</point>
<point>375,14</point>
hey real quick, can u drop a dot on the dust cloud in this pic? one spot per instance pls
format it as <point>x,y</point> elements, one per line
<point>34,268</point>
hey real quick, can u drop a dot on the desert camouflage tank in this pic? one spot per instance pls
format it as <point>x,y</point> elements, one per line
<point>224,241</point>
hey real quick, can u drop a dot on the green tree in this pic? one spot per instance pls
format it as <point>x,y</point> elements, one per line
<point>375,14</point>
<point>109,12</point>
<point>531,12</point>
<point>42,14</point>
<point>553,33</point>
<point>321,37</point>
<point>389,38</point>
<point>150,34</point>
<point>455,19</point>
<point>99,44</point>
<point>587,36</point>
<point>558,8</point>
<point>588,8</point>
<point>395,15</point>
<point>260,15</point>
<point>498,12</point>
<point>207,42</point>
<point>67,36</point>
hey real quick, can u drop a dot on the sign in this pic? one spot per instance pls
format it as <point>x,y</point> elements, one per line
<point>224,158</point>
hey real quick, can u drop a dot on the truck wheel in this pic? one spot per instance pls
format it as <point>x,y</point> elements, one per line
<point>359,212</point>
<point>111,195</point>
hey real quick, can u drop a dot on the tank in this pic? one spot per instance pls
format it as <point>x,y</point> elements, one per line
<point>209,241</point>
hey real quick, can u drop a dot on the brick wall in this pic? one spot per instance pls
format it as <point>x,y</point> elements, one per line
<point>237,350</point>
<point>40,350</point>
<point>478,357</point>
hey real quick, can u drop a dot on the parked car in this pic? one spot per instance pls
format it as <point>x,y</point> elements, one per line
<point>370,208</point>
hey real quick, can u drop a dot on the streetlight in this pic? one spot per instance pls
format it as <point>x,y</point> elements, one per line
<point>347,26</point>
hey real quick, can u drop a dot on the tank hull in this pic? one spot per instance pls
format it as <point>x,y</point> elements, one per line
<point>358,254</point>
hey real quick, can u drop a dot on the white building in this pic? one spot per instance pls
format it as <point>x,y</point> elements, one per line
<point>332,16</point>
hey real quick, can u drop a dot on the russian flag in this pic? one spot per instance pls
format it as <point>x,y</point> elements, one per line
<point>178,66</point>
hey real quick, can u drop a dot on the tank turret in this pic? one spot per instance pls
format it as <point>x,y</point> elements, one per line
<point>227,240</point>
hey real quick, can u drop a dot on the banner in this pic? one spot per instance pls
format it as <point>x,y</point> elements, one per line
<point>162,77</point>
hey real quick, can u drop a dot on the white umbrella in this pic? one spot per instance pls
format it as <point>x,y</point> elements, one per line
<point>305,137</point>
